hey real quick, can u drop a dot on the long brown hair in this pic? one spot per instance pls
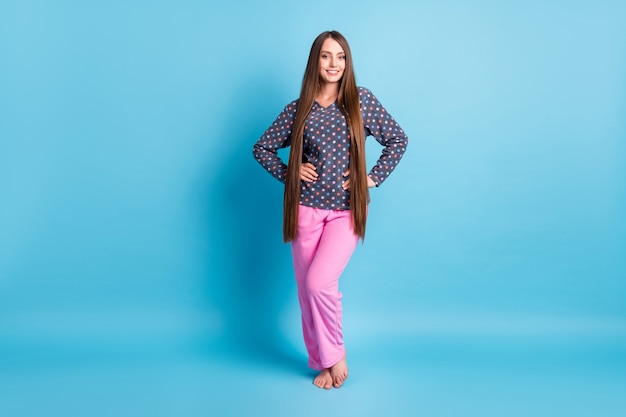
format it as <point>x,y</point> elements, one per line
<point>348,102</point>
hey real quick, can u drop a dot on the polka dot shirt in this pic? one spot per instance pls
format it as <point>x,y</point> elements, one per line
<point>327,146</point>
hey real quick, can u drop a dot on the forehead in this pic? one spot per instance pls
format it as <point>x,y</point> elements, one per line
<point>331,45</point>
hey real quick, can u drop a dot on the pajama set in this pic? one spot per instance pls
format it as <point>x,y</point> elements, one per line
<point>325,239</point>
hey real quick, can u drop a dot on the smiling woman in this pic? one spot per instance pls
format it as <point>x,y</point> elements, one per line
<point>326,189</point>
<point>141,271</point>
<point>332,64</point>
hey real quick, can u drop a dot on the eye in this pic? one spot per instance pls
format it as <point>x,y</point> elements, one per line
<point>342,57</point>
<point>324,56</point>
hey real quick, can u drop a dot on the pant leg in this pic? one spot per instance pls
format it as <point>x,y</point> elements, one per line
<point>321,251</point>
<point>336,246</point>
<point>303,249</point>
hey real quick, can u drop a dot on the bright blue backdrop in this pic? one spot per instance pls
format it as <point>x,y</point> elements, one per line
<point>142,270</point>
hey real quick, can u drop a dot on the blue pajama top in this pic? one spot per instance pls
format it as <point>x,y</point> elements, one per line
<point>327,146</point>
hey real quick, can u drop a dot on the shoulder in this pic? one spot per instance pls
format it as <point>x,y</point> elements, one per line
<point>366,96</point>
<point>364,92</point>
<point>292,106</point>
<point>289,111</point>
<point>368,100</point>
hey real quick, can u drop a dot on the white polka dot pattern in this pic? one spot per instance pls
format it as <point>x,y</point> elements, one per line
<point>327,147</point>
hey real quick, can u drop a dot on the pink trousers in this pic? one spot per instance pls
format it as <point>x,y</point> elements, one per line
<point>322,248</point>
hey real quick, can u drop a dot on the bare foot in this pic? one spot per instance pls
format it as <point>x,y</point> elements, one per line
<point>324,380</point>
<point>339,372</point>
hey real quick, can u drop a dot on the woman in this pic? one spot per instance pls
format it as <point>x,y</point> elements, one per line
<point>326,188</point>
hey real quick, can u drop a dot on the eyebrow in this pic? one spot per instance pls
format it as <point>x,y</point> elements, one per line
<point>328,52</point>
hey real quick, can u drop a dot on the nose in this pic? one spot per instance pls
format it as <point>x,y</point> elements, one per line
<point>333,61</point>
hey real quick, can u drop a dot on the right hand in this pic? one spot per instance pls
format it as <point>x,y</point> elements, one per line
<point>307,172</point>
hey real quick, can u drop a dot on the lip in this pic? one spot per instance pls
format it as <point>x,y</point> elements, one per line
<point>332,72</point>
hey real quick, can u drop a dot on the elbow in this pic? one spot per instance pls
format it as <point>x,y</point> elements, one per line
<point>404,143</point>
<point>256,151</point>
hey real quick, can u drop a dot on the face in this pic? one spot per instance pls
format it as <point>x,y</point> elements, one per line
<point>332,61</point>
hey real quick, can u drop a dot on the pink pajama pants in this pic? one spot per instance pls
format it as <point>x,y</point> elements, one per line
<point>322,248</point>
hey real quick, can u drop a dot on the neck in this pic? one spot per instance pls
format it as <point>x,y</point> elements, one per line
<point>328,91</point>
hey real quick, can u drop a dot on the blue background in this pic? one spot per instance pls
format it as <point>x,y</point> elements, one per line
<point>142,270</point>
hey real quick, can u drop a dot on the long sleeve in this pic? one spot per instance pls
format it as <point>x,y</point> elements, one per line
<point>277,136</point>
<point>382,126</point>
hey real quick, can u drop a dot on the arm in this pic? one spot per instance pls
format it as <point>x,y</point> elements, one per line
<point>277,136</point>
<point>382,126</point>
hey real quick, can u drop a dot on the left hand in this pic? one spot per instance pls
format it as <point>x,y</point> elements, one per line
<point>346,183</point>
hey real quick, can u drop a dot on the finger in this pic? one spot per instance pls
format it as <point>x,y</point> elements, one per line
<point>346,184</point>
<point>308,167</point>
<point>308,172</point>
<point>311,172</point>
<point>308,175</point>
<point>345,174</point>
